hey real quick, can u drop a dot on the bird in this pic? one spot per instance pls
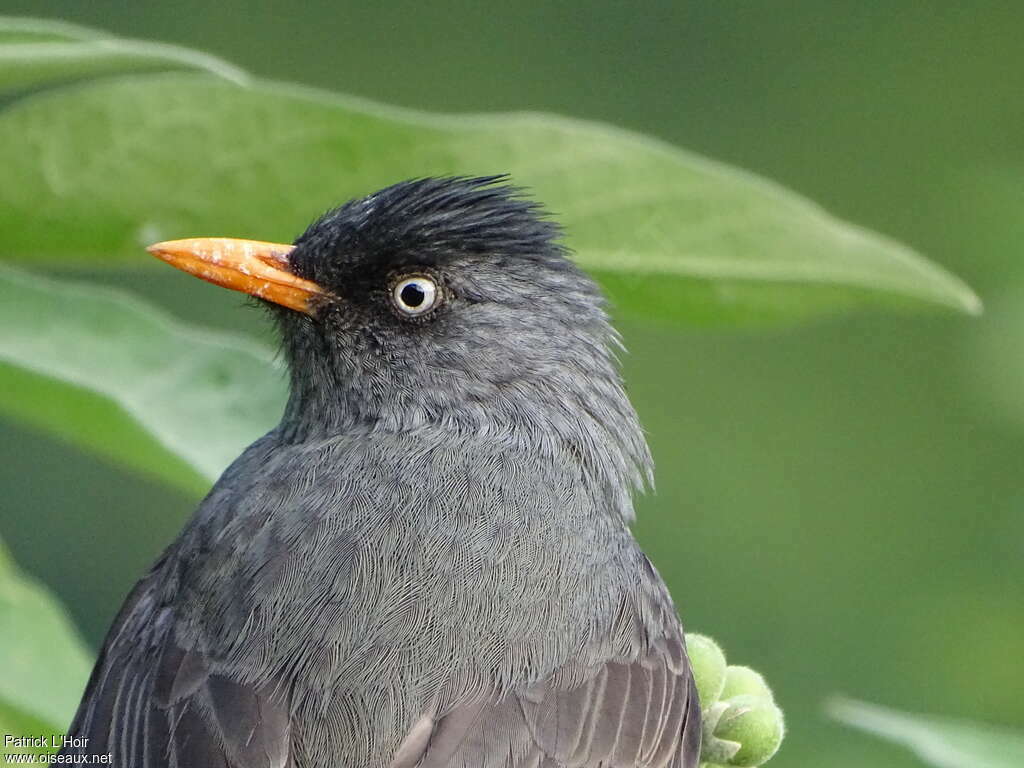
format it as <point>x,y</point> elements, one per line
<point>429,561</point>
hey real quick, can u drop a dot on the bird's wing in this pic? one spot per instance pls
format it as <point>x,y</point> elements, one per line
<point>151,704</point>
<point>619,715</point>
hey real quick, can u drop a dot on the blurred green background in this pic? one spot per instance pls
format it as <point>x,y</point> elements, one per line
<point>839,504</point>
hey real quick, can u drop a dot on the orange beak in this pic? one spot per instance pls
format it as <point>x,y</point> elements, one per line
<point>250,266</point>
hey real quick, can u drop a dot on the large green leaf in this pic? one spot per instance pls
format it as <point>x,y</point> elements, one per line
<point>38,51</point>
<point>94,423</point>
<point>17,723</point>
<point>202,396</point>
<point>941,742</point>
<point>94,172</point>
<point>45,665</point>
<point>22,29</point>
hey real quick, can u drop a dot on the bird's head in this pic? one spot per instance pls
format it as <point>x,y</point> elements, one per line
<point>437,304</point>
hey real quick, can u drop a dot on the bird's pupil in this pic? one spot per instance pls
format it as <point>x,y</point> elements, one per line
<point>413,295</point>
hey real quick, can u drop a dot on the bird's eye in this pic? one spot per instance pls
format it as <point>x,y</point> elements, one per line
<point>415,295</point>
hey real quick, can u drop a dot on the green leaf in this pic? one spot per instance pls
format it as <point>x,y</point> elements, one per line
<point>95,172</point>
<point>941,742</point>
<point>95,424</point>
<point>201,395</point>
<point>21,29</point>
<point>17,724</point>
<point>34,52</point>
<point>45,663</point>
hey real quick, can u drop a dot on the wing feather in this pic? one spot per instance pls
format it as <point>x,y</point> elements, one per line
<point>622,715</point>
<point>151,704</point>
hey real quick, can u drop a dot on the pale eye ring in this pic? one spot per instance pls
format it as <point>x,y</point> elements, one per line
<point>415,295</point>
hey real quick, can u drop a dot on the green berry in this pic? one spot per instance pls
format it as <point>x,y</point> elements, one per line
<point>756,724</point>
<point>708,664</point>
<point>744,681</point>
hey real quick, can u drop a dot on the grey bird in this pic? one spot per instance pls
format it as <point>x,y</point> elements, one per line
<point>428,562</point>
